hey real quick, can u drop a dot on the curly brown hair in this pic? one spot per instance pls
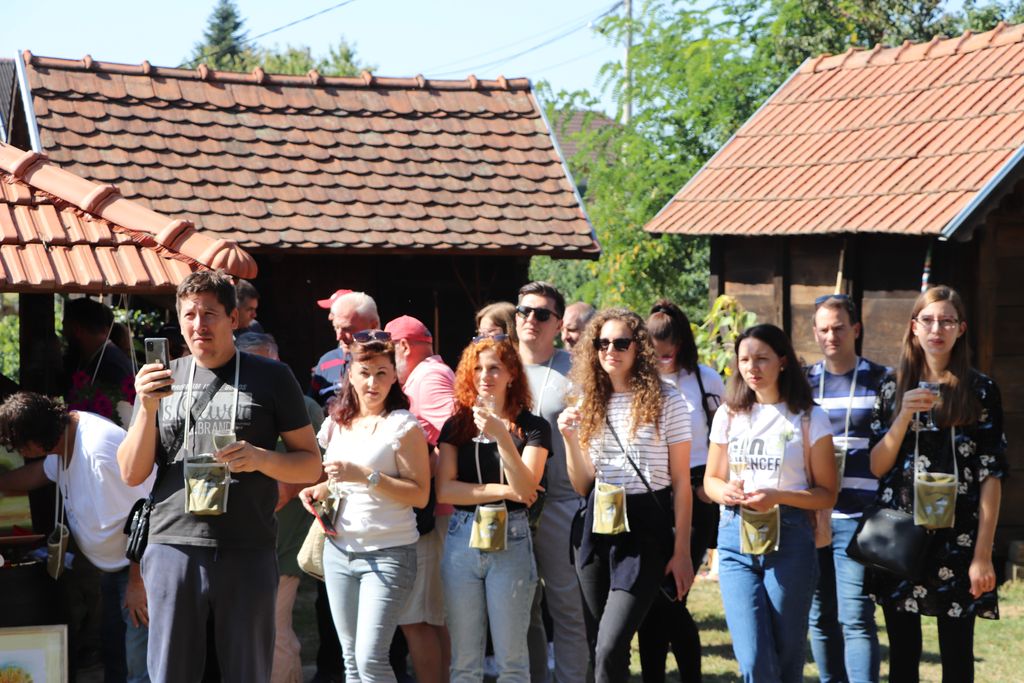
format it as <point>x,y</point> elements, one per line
<point>517,399</point>
<point>596,387</point>
<point>30,417</point>
<point>345,406</point>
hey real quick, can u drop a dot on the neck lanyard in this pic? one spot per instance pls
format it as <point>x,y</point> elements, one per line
<point>60,503</point>
<point>544,387</point>
<point>188,397</point>
<point>479,476</point>
<point>853,389</point>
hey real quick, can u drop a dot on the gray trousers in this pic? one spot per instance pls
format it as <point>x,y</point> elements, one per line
<point>562,592</point>
<point>184,585</point>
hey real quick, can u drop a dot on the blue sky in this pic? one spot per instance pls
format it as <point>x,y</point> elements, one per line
<point>449,38</point>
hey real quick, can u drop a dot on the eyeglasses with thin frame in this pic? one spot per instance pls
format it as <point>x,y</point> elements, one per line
<point>620,344</point>
<point>541,314</point>
<point>945,324</point>
<point>498,337</point>
<point>367,336</point>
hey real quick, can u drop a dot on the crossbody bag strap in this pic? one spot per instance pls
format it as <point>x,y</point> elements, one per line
<point>805,426</point>
<point>202,400</point>
<point>631,462</point>
<point>704,395</point>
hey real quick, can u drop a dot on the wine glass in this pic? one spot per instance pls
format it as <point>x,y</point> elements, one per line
<point>486,403</point>
<point>223,438</point>
<point>936,389</point>
<point>737,466</point>
<point>574,399</point>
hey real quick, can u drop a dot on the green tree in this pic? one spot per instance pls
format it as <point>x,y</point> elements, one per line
<point>224,41</point>
<point>340,60</point>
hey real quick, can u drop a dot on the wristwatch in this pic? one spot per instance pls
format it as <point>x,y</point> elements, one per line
<point>373,479</point>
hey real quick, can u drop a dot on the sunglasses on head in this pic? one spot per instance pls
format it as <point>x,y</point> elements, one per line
<point>367,336</point>
<point>499,337</point>
<point>541,314</point>
<point>825,297</point>
<point>620,344</point>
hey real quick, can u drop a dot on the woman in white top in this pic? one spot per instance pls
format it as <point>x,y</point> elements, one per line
<point>628,450</point>
<point>703,390</point>
<point>769,463</point>
<point>377,471</point>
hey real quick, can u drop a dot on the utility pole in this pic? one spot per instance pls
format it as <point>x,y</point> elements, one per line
<point>628,110</point>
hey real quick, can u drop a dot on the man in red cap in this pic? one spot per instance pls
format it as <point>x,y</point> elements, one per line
<point>429,384</point>
<point>351,312</point>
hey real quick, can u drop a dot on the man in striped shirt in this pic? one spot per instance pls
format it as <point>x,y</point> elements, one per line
<point>844,638</point>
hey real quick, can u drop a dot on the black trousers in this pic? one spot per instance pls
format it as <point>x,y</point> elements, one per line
<point>956,647</point>
<point>670,623</point>
<point>613,616</point>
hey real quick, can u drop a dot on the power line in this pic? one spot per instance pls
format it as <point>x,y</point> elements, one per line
<point>270,32</point>
<point>514,43</point>
<point>528,50</point>
<point>573,59</point>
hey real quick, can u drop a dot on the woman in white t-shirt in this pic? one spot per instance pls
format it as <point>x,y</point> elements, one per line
<point>702,389</point>
<point>769,463</point>
<point>627,442</point>
<point>377,471</point>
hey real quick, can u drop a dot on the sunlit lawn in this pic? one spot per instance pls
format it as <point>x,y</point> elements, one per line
<point>999,645</point>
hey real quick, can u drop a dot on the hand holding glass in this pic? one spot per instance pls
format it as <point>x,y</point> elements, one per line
<point>222,438</point>
<point>574,399</point>
<point>936,389</point>
<point>486,403</point>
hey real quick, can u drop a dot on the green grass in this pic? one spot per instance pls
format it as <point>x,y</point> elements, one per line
<point>998,649</point>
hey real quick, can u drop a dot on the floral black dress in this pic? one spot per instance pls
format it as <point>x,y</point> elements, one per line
<point>980,453</point>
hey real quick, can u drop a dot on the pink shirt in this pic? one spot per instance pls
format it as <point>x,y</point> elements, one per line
<point>430,388</point>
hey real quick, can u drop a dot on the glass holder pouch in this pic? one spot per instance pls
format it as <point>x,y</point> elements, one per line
<point>760,531</point>
<point>839,449</point>
<point>489,532</point>
<point>56,549</point>
<point>610,515</point>
<point>934,499</point>
<point>207,483</point>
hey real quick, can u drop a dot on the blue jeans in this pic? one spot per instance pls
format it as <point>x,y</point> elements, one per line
<point>113,585</point>
<point>844,638</point>
<point>484,586</point>
<point>368,592</point>
<point>767,598</point>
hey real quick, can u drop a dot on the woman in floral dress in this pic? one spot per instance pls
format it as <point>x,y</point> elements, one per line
<point>959,582</point>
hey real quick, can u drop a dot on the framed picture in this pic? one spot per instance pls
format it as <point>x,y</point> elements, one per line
<point>34,654</point>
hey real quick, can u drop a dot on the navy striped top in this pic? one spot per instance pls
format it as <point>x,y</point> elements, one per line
<point>858,485</point>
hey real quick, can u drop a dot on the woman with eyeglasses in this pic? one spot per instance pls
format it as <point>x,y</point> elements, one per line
<point>493,453</point>
<point>770,462</point>
<point>377,472</point>
<point>628,451</point>
<point>497,318</point>
<point>702,389</point>
<point>939,452</point>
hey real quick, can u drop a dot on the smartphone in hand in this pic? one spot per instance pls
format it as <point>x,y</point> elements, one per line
<point>156,351</point>
<point>322,513</point>
<point>668,587</point>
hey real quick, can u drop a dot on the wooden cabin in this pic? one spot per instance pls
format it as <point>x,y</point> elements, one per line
<point>878,168</point>
<point>430,195</point>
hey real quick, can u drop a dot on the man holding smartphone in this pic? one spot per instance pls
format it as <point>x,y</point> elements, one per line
<point>222,563</point>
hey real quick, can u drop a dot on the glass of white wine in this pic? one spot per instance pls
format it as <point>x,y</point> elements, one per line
<point>222,438</point>
<point>737,466</point>
<point>936,389</point>
<point>486,403</point>
<point>574,399</point>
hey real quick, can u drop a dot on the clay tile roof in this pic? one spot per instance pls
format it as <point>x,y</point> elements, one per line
<point>905,140</point>
<point>568,129</point>
<point>361,163</point>
<point>61,232</point>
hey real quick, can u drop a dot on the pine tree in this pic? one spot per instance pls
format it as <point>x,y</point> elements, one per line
<point>224,41</point>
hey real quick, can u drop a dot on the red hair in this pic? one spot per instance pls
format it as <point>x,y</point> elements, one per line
<point>517,398</point>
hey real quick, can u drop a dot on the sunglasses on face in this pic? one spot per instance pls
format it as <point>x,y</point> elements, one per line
<point>825,297</point>
<point>367,336</point>
<point>620,344</point>
<point>541,314</point>
<point>499,337</point>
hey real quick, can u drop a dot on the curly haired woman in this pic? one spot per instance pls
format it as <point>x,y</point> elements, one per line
<point>628,450</point>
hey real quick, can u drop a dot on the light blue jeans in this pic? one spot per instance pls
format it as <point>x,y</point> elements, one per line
<point>767,598</point>
<point>367,592</point>
<point>844,637</point>
<point>488,586</point>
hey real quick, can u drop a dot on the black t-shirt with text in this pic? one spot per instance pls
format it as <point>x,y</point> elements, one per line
<point>269,402</point>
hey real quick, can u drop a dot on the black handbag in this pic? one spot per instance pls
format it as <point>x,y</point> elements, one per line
<point>888,540</point>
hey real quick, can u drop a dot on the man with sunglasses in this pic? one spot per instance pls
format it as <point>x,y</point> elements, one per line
<point>844,638</point>
<point>351,312</point>
<point>538,322</point>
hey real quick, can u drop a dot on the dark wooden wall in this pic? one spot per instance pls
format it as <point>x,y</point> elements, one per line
<point>779,278</point>
<point>442,291</point>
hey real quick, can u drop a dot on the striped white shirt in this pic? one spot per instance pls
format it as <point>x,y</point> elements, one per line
<point>648,448</point>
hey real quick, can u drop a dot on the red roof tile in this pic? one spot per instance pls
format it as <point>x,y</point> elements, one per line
<point>311,162</point>
<point>60,232</point>
<point>897,140</point>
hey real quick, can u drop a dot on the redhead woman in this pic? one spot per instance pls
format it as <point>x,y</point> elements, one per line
<point>628,451</point>
<point>946,417</point>
<point>769,463</point>
<point>377,472</point>
<point>493,452</point>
